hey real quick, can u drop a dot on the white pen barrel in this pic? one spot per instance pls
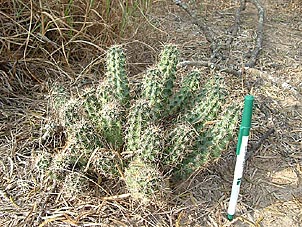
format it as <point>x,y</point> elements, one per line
<point>237,176</point>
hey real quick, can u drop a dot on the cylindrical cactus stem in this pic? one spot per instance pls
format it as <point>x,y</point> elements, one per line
<point>211,144</point>
<point>74,184</point>
<point>150,146</point>
<point>206,106</point>
<point>220,135</point>
<point>58,97</point>
<point>179,143</point>
<point>116,74</point>
<point>140,116</point>
<point>167,66</point>
<point>189,87</point>
<point>152,90</point>
<point>60,162</point>
<point>107,163</point>
<point>145,182</point>
<point>72,115</point>
<point>188,166</point>
<point>92,105</point>
<point>112,124</point>
<point>42,161</point>
<point>105,114</point>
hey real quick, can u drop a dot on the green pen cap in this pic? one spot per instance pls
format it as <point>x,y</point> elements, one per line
<point>246,120</point>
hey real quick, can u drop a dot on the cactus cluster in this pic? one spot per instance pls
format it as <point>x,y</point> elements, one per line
<point>167,131</point>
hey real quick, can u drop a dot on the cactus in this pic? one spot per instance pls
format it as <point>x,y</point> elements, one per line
<point>152,90</point>
<point>58,99</point>
<point>167,67</point>
<point>111,124</point>
<point>179,144</point>
<point>106,115</point>
<point>92,106</point>
<point>87,140</point>
<point>163,131</point>
<point>211,143</point>
<point>74,184</point>
<point>189,87</point>
<point>42,161</point>
<point>150,146</point>
<point>144,181</point>
<point>107,163</point>
<point>73,118</point>
<point>60,162</point>
<point>207,105</point>
<point>140,115</point>
<point>217,138</point>
<point>117,76</point>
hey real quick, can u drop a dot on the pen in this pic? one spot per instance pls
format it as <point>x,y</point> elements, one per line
<point>241,152</point>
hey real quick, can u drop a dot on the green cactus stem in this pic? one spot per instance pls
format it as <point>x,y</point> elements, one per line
<point>145,182</point>
<point>60,162</point>
<point>107,163</point>
<point>150,146</point>
<point>207,105</point>
<point>92,105</point>
<point>189,87</point>
<point>74,185</point>
<point>42,161</point>
<point>111,124</point>
<point>152,90</point>
<point>116,74</point>
<point>140,116</point>
<point>217,138</point>
<point>179,144</point>
<point>72,115</point>
<point>213,142</point>
<point>167,66</point>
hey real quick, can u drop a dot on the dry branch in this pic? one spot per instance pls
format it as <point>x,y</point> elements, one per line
<point>217,48</point>
<point>256,146</point>
<point>234,29</point>
<point>209,34</point>
<point>210,65</point>
<point>259,38</point>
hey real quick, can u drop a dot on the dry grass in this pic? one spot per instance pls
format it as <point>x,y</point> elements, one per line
<point>43,42</point>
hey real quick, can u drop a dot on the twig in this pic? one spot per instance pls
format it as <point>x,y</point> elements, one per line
<point>210,65</point>
<point>44,200</point>
<point>259,38</point>
<point>234,29</point>
<point>256,146</point>
<point>116,197</point>
<point>201,24</point>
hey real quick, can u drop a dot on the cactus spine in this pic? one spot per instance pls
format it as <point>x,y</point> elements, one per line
<point>207,105</point>
<point>218,137</point>
<point>107,163</point>
<point>150,145</point>
<point>152,90</point>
